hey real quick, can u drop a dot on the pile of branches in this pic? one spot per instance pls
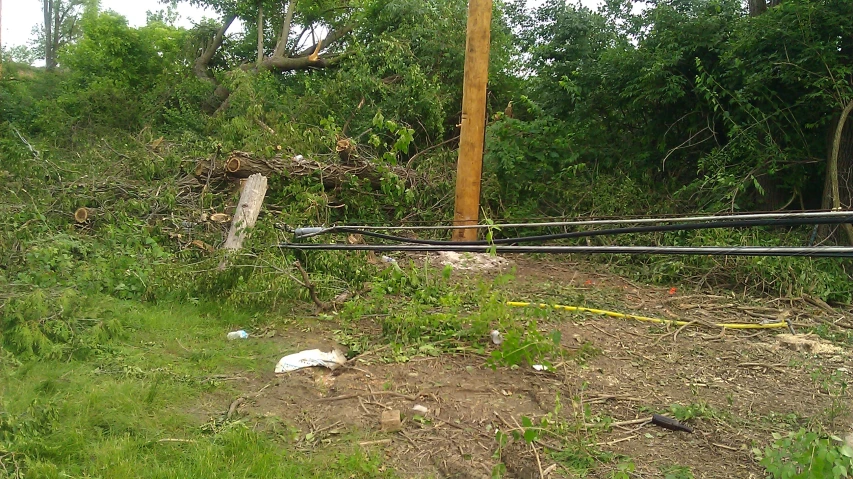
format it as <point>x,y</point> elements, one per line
<point>240,165</point>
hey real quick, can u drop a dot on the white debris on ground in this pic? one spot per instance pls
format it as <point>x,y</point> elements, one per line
<point>471,261</point>
<point>808,343</point>
<point>309,359</point>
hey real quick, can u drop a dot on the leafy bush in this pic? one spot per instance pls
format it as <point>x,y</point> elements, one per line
<point>806,455</point>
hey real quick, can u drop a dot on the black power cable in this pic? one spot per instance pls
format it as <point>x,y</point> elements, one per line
<point>607,232</point>
<point>811,252</point>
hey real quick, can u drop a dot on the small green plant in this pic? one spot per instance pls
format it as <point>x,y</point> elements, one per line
<point>676,472</point>
<point>835,385</point>
<point>529,346</point>
<point>692,411</point>
<point>624,469</point>
<point>806,455</point>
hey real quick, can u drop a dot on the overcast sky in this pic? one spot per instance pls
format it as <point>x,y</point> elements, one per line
<point>20,16</point>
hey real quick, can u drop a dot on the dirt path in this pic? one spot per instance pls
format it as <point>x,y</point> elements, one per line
<point>733,388</point>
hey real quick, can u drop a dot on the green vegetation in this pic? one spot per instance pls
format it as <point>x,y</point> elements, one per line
<point>111,328</point>
<point>131,409</point>
<point>805,455</point>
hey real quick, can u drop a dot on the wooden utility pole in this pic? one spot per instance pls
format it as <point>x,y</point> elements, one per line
<point>470,166</point>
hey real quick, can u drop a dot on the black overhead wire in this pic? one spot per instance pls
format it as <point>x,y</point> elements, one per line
<point>673,224</point>
<point>812,252</point>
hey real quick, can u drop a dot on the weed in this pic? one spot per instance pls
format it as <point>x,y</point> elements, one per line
<point>806,455</point>
<point>623,469</point>
<point>676,472</point>
<point>529,346</point>
<point>835,385</point>
<point>700,410</point>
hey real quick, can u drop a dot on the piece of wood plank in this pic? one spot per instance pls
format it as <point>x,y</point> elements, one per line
<point>247,211</point>
<point>246,214</point>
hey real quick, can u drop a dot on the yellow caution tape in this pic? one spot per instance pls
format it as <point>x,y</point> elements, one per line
<point>613,314</point>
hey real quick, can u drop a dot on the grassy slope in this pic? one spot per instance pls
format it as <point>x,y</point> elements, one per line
<point>103,417</point>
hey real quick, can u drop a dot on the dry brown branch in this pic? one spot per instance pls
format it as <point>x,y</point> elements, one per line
<point>378,393</point>
<point>312,290</point>
<point>242,165</point>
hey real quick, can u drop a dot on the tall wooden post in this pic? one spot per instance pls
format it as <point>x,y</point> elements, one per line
<point>470,166</point>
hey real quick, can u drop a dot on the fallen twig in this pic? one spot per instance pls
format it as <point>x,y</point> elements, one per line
<point>374,443</point>
<point>617,441</point>
<point>233,408</point>
<point>538,460</point>
<point>631,422</point>
<point>378,393</point>
<point>312,291</point>
<point>723,446</point>
<point>168,440</point>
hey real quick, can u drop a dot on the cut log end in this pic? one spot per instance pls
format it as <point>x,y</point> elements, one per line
<point>232,165</point>
<point>345,149</point>
<point>82,215</point>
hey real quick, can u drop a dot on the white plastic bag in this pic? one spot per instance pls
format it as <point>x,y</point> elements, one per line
<point>310,358</point>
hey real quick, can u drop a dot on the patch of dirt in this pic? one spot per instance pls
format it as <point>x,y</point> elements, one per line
<point>734,388</point>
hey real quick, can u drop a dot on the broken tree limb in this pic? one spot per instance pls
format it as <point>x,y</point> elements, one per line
<point>242,165</point>
<point>306,282</point>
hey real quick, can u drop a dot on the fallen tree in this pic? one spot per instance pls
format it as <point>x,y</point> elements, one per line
<point>240,165</point>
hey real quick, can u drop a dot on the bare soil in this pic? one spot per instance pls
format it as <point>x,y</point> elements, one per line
<point>739,386</point>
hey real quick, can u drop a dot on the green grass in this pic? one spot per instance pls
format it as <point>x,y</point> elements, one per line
<point>105,416</point>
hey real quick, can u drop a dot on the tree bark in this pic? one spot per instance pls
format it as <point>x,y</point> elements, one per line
<point>838,187</point>
<point>757,7</point>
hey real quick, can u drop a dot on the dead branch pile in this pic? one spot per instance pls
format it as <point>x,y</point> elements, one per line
<point>240,165</point>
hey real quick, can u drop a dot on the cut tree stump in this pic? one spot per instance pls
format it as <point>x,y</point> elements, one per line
<point>82,215</point>
<point>246,214</point>
<point>241,165</point>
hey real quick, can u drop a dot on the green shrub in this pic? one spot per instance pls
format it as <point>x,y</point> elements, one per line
<point>806,455</point>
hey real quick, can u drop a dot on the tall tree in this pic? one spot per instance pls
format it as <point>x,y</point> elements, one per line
<point>312,34</point>
<point>61,26</point>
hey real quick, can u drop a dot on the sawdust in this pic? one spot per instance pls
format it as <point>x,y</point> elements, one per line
<point>808,343</point>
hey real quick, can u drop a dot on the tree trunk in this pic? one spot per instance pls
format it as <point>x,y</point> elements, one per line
<point>260,33</point>
<point>757,7</point>
<point>49,59</point>
<point>285,30</point>
<point>838,186</point>
<point>773,198</point>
